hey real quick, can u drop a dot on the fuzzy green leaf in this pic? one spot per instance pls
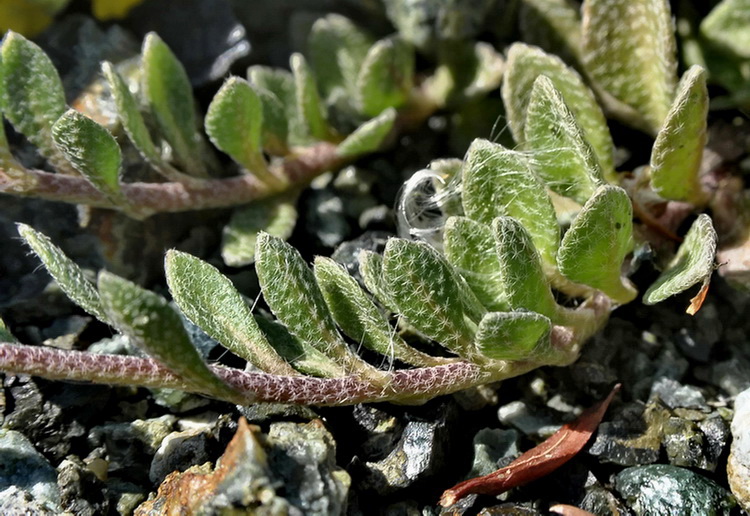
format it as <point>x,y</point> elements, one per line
<point>291,292</point>
<point>148,319</point>
<point>209,299</point>
<point>726,26</point>
<point>369,136</point>
<point>693,263</point>
<point>303,357</point>
<point>167,89</point>
<point>32,95</point>
<point>593,249</point>
<point>525,64</point>
<point>425,289</point>
<point>470,247</point>
<point>371,270</point>
<point>525,285</point>
<point>5,334</point>
<point>275,125</point>
<point>513,335</point>
<point>496,182</point>
<point>359,318</point>
<point>280,84</point>
<point>234,121</point>
<point>276,216</point>
<point>337,48</point>
<point>562,155</point>
<point>678,149</point>
<point>92,150</point>
<point>68,275</point>
<point>386,77</point>
<point>554,25</point>
<point>629,50</point>
<point>311,109</point>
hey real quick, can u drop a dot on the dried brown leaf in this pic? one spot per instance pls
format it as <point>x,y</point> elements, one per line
<point>537,462</point>
<point>697,301</point>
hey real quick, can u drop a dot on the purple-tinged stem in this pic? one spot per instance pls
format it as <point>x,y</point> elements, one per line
<point>145,199</point>
<point>408,384</point>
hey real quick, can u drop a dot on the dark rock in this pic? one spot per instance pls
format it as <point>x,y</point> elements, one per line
<point>602,502</point>
<point>82,493</point>
<point>716,435</point>
<point>675,395</point>
<point>665,490</point>
<point>381,431</point>
<point>632,437</point>
<point>325,219</point>
<point>26,478</point>
<point>264,412</point>
<point>347,254</point>
<point>493,449</point>
<point>684,444</point>
<point>537,422</point>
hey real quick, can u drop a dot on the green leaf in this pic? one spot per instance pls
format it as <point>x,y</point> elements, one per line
<point>470,247</point>
<point>276,216</point>
<point>467,71</point>
<point>554,25</point>
<point>593,249</point>
<point>629,50</point>
<point>5,334</point>
<point>562,155</point>
<point>68,275</point>
<point>371,270</point>
<point>275,126</point>
<point>32,95</point>
<point>386,77</point>
<point>148,319</point>
<point>234,122</point>
<point>678,149</point>
<point>303,357</point>
<point>513,335</point>
<point>525,64</point>
<point>499,182</point>
<point>280,84</point>
<point>727,27</point>
<point>525,286</point>
<point>337,48</point>
<point>425,289</point>
<point>369,136</point>
<point>292,294</point>
<point>311,110</point>
<point>167,89</point>
<point>92,150</point>
<point>209,299</point>
<point>360,319</point>
<point>693,263</point>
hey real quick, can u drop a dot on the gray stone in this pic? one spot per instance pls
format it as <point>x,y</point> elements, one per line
<point>675,395</point>
<point>178,451</point>
<point>493,449</point>
<point>662,490</point>
<point>738,466</point>
<point>82,493</point>
<point>716,434</point>
<point>633,437</point>
<point>602,502</point>
<point>538,422</point>
<point>684,444</point>
<point>25,476</point>
<point>381,430</point>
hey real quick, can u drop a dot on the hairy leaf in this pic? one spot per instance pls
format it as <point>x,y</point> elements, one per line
<point>311,109</point>
<point>275,125</point>
<point>693,263</point>
<point>276,216</point>
<point>593,249</point>
<point>234,122</point>
<point>513,335</point>
<point>629,50</point>
<point>209,299</point>
<point>678,149</point>
<point>337,48</point>
<point>470,247</point>
<point>526,287</point>
<point>386,77</point>
<point>92,150</point>
<point>525,64</point>
<point>371,270</point>
<point>279,84</point>
<point>497,181</point>
<point>369,136</point>
<point>360,319</point>
<point>726,26</point>
<point>167,89</point>
<point>291,292</point>
<point>68,275</point>
<point>562,154</point>
<point>425,289</point>
<point>32,95</point>
<point>148,319</point>
<point>554,25</point>
<point>5,334</point>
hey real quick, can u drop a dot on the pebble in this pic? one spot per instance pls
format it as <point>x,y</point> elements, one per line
<point>738,466</point>
<point>26,478</point>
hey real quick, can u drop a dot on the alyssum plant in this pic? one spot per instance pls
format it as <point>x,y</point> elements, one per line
<point>528,261</point>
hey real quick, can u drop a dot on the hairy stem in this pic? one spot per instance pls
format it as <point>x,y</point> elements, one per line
<point>146,199</point>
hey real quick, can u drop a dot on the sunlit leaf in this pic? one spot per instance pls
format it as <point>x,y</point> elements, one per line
<point>554,25</point>
<point>369,136</point>
<point>693,263</point>
<point>209,299</point>
<point>310,107</point>
<point>386,76</point>
<point>513,335</point>
<point>499,182</point>
<point>594,248</point>
<point>726,26</point>
<point>678,149</point>
<point>279,84</point>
